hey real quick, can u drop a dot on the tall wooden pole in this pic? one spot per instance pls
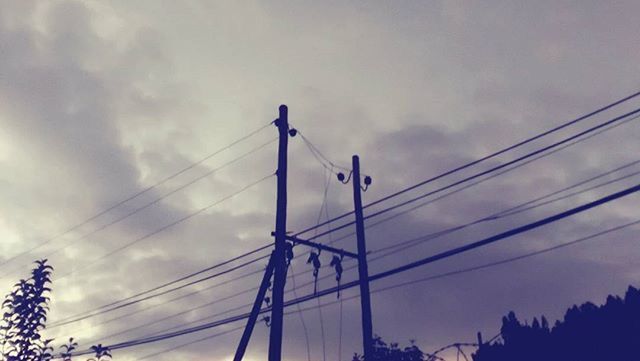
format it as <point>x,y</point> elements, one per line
<point>280,268</point>
<point>363,272</point>
<point>255,311</point>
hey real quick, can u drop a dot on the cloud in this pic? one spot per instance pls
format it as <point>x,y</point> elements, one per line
<point>100,101</point>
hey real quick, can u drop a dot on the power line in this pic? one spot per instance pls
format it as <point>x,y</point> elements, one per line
<point>319,156</point>
<point>304,324</point>
<point>167,226</point>
<point>166,284</point>
<point>477,175</point>
<point>384,274</point>
<point>477,161</point>
<point>205,305</point>
<point>508,212</point>
<point>539,155</point>
<point>522,207</point>
<point>499,173</point>
<point>510,259</point>
<point>293,290</point>
<point>492,176</point>
<point>509,233</point>
<point>412,242</point>
<point>209,337</point>
<point>479,267</point>
<point>156,321</point>
<point>164,196</point>
<point>157,200</point>
<point>135,195</point>
<point>133,302</point>
<point>476,268</point>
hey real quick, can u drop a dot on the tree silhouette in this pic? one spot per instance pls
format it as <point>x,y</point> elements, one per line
<point>24,318</point>
<point>587,332</point>
<point>392,352</point>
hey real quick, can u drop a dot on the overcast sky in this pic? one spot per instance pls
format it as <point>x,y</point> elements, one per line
<point>100,100</point>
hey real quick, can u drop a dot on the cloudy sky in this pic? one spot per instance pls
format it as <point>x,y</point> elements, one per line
<point>100,100</point>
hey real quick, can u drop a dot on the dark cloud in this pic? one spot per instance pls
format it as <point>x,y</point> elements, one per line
<point>102,100</point>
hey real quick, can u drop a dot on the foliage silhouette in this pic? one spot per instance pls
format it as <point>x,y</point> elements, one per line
<point>392,352</point>
<point>587,333</point>
<point>24,318</point>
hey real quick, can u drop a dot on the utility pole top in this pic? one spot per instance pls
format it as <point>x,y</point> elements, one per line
<point>279,267</point>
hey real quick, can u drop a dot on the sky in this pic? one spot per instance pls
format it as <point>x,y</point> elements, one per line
<point>100,100</point>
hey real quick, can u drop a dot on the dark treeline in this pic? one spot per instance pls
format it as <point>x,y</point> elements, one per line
<point>587,332</point>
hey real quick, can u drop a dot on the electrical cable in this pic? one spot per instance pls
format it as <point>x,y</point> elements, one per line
<point>491,170</point>
<point>396,270</point>
<point>525,206</point>
<point>133,302</point>
<point>430,201</point>
<point>166,284</point>
<point>504,213</point>
<point>164,196</point>
<point>304,324</point>
<point>396,215</point>
<point>135,195</point>
<point>482,159</point>
<point>480,267</point>
<point>165,227</point>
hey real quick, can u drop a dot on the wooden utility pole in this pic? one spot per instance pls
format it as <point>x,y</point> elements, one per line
<point>280,267</point>
<point>363,272</point>
<point>255,311</point>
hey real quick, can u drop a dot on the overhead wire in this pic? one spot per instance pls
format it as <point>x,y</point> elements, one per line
<point>492,176</point>
<point>300,315</point>
<point>312,149</point>
<point>267,245</point>
<point>401,246</point>
<point>135,195</point>
<point>136,301</point>
<point>509,259</point>
<point>482,159</point>
<point>480,267</point>
<point>164,303</point>
<point>488,265</point>
<point>323,207</point>
<point>157,200</point>
<point>172,282</point>
<point>510,233</point>
<point>164,196</point>
<point>319,156</point>
<point>244,306</point>
<point>396,270</point>
<point>522,207</point>
<point>209,337</point>
<point>405,244</point>
<point>397,247</point>
<point>485,172</point>
<point>182,345</point>
<point>165,227</point>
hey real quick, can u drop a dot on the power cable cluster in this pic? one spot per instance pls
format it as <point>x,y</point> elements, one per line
<point>466,182</point>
